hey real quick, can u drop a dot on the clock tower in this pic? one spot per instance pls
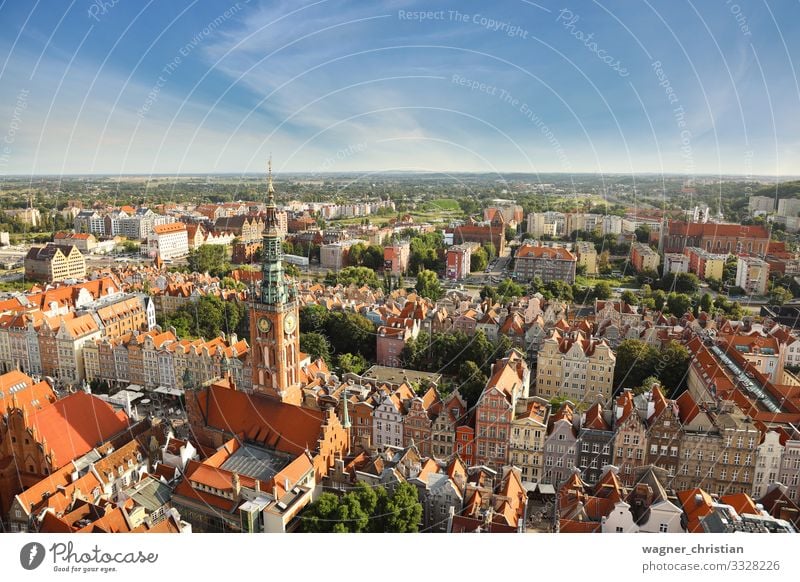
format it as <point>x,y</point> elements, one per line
<point>274,319</point>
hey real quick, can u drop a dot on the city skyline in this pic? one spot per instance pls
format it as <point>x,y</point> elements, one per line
<point>336,87</point>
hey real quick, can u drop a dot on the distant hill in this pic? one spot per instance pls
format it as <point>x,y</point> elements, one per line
<point>784,189</point>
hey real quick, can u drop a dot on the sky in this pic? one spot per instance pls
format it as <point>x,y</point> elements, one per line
<point>188,86</point>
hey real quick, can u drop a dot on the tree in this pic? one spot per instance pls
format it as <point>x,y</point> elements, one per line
<point>560,290</point>
<point>673,366</point>
<point>642,234</point>
<point>316,345</point>
<point>678,304</point>
<point>489,292</point>
<point>313,317</point>
<point>636,361</point>
<point>291,270</point>
<point>602,290</point>
<point>646,386</point>
<point>680,283</point>
<point>779,295</point>
<point>472,381</point>
<point>353,363</point>
<point>403,512</point>
<point>323,515</point>
<point>491,250</point>
<point>646,276</point>
<point>365,509</point>
<point>231,283</point>
<point>428,285</point>
<point>211,259</point>
<point>510,233</point>
<point>478,260</point>
<point>659,300</point>
<point>358,276</point>
<point>508,289</point>
<point>350,333</point>
<point>706,303</point>
<point>207,318</point>
<point>355,254</point>
<point>629,297</point>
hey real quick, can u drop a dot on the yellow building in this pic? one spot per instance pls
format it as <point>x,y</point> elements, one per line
<point>576,366</point>
<point>587,256</point>
<point>52,263</point>
<point>704,264</point>
<point>528,433</point>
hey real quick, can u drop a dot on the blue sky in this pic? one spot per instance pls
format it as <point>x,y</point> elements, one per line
<point>182,87</point>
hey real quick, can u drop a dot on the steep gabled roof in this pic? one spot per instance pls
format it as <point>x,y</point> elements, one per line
<point>260,419</point>
<point>75,425</point>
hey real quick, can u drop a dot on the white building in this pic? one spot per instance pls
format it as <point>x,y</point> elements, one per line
<point>612,224</point>
<point>676,263</point>
<point>387,421</point>
<point>761,205</point>
<point>168,241</point>
<point>768,463</point>
<point>752,275</point>
<point>788,207</point>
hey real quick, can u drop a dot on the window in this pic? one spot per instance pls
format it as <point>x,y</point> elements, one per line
<point>663,527</point>
<point>619,530</point>
<point>626,439</point>
<point>653,449</point>
<point>585,447</point>
<point>673,451</point>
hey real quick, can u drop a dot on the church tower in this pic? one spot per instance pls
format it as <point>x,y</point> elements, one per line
<point>274,319</point>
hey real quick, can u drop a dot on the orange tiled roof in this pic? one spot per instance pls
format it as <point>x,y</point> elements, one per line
<point>169,228</point>
<point>696,504</point>
<point>594,418</point>
<point>283,427</point>
<point>557,253</point>
<point>26,395</point>
<point>75,425</point>
<point>741,502</point>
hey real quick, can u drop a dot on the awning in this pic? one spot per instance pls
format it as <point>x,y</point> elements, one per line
<point>168,391</point>
<point>135,388</point>
<point>546,489</point>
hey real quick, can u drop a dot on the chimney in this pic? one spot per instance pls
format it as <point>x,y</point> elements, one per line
<point>236,485</point>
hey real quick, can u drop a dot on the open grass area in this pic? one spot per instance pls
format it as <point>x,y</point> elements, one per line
<point>446,204</point>
<point>613,281</point>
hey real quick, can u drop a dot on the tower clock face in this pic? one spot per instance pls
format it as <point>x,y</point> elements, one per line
<point>289,323</point>
<point>264,325</point>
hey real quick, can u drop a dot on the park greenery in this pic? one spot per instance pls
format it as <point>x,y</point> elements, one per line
<point>466,360</point>
<point>207,317</point>
<point>347,334</point>
<point>365,509</point>
<point>638,360</point>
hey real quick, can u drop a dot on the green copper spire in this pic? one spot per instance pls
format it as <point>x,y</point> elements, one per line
<point>274,290</point>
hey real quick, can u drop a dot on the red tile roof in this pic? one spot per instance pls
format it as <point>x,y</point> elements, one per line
<point>75,425</point>
<point>169,228</point>
<point>557,253</point>
<point>281,426</point>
